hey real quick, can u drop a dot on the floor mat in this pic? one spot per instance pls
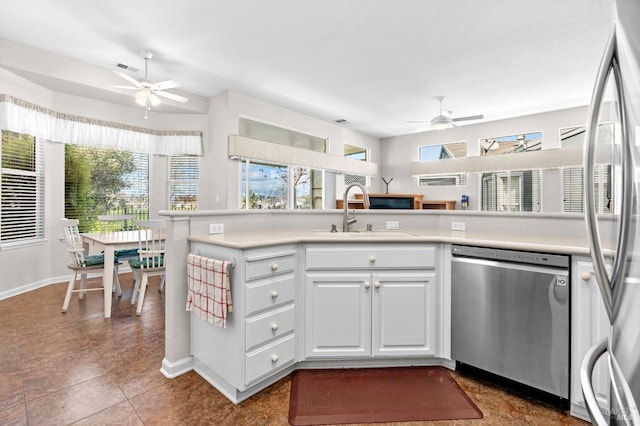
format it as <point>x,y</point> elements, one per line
<point>372,395</point>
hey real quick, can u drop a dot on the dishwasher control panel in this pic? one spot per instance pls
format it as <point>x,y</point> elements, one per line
<point>556,260</point>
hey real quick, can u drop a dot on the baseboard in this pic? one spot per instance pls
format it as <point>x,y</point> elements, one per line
<point>171,370</point>
<point>32,286</point>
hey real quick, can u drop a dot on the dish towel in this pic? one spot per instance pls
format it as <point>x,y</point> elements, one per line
<point>209,289</point>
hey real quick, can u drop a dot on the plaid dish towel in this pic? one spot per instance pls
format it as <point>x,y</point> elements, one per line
<point>209,289</point>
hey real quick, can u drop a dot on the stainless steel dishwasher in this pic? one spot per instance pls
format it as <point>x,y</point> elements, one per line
<point>510,315</point>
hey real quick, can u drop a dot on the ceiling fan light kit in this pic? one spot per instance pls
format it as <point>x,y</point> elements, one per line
<point>148,93</point>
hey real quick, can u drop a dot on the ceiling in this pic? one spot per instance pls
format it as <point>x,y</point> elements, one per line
<point>374,63</point>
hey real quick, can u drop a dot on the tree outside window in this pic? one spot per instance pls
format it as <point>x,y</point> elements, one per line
<point>104,181</point>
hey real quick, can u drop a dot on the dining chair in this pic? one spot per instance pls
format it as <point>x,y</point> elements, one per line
<point>151,258</point>
<point>126,222</point>
<point>81,265</point>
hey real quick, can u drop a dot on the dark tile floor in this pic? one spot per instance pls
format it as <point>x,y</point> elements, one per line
<point>79,368</point>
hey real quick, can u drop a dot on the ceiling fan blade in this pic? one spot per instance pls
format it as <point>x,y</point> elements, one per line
<point>171,96</point>
<point>416,121</point>
<point>165,85</point>
<point>125,87</point>
<point>471,117</point>
<point>130,79</point>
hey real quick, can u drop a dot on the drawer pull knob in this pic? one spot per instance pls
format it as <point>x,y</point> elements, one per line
<point>586,276</point>
<point>372,259</point>
<point>274,266</point>
<point>274,326</point>
<point>274,294</point>
<point>377,284</point>
<point>367,284</point>
<point>274,358</point>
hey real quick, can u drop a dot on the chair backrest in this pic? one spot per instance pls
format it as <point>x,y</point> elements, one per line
<point>73,241</point>
<point>151,236</point>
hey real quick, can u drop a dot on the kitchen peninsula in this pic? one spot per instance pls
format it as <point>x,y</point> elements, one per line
<point>290,269</point>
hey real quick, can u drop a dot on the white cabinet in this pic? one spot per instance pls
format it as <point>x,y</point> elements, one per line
<point>589,325</point>
<point>377,300</point>
<point>258,345</point>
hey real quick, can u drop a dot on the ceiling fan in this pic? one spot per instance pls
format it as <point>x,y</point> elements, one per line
<point>149,92</point>
<point>444,119</point>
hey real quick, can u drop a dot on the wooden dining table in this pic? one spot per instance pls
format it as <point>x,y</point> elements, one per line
<point>108,243</point>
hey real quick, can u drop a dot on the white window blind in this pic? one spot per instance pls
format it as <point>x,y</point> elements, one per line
<point>183,182</point>
<point>573,189</point>
<point>22,189</point>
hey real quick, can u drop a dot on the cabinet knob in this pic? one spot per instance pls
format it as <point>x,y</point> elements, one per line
<point>274,358</point>
<point>586,276</point>
<point>367,284</point>
<point>274,266</point>
<point>274,294</point>
<point>372,259</point>
<point>274,326</point>
<point>377,284</point>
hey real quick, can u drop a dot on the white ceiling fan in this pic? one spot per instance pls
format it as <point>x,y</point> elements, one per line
<point>149,92</point>
<point>444,119</point>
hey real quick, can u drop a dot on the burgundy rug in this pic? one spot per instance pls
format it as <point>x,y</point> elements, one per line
<point>372,395</point>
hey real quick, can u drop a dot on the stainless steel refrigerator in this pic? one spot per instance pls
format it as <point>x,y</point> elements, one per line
<point>620,285</point>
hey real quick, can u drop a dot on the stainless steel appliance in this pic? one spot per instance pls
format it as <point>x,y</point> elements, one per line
<point>510,315</point>
<point>620,289</point>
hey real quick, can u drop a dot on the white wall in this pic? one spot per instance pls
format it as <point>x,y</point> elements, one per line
<point>225,111</point>
<point>397,152</point>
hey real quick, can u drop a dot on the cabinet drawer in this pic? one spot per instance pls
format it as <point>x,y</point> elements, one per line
<point>269,293</point>
<point>262,328</point>
<point>387,257</point>
<point>269,359</point>
<point>268,265</point>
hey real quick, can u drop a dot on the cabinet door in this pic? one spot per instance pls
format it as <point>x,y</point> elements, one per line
<point>338,315</point>
<point>590,324</point>
<point>403,314</point>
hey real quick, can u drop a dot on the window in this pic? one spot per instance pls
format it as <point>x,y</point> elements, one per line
<point>267,186</point>
<point>442,152</point>
<point>104,181</point>
<point>523,142</point>
<point>515,191</point>
<point>356,153</point>
<point>280,186</point>
<point>573,177</point>
<point>183,182</point>
<point>22,189</point>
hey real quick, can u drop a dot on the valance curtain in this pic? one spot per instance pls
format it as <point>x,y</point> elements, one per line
<point>20,116</point>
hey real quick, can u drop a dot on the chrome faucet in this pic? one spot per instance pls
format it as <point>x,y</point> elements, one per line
<point>365,199</point>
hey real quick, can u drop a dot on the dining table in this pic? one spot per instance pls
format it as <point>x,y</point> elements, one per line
<point>108,243</point>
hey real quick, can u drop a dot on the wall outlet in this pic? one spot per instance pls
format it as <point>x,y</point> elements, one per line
<point>216,228</point>
<point>457,226</point>
<point>393,224</point>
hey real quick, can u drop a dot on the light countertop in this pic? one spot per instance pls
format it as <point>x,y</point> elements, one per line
<point>262,238</point>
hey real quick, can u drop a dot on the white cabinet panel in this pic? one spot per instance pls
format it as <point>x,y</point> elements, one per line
<point>404,314</point>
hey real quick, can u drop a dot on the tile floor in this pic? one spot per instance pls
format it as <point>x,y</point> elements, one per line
<point>79,368</point>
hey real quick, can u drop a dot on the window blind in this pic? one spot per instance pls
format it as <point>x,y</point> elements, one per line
<point>22,189</point>
<point>183,182</point>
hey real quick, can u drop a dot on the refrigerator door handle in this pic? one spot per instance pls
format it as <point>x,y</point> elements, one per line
<point>608,65</point>
<point>586,371</point>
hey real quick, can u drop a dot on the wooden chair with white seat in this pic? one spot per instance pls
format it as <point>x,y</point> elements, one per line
<point>151,258</point>
<point>82,265</point>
